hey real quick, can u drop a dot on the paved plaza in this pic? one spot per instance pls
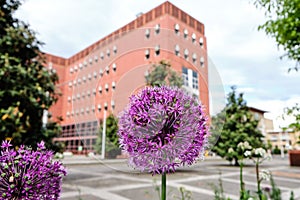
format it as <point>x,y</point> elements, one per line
<point>95,179</point>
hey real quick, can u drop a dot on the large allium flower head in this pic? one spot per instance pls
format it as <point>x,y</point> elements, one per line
<point>28,174</point>
<point>163,128</point>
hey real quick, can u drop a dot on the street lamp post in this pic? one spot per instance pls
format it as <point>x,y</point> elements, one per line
<point>103,135</point>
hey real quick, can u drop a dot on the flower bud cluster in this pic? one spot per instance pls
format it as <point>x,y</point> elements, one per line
<point>28,174</point>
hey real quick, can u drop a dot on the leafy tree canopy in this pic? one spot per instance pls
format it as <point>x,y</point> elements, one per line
<point>233,125</point>
<point>27,88</point>
<point>283,24</point>
<point>162,74</point>
<point>294,112</point>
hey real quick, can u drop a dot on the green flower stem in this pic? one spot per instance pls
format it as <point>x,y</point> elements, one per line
<point>259,192</point>
<point>242,184</point>
<point>163,186</point>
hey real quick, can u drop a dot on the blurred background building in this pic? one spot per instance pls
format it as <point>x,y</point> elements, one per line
<point>99,79</point>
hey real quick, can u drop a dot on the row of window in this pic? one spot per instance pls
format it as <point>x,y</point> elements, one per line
<point>81,129</point>
<point>80,67</point>
<point>177,32</point>
<point>87,110</point>
<point>186,34</point>
<point>88,93</point>
<point>177,52</point>
<point>186,55</point>
<point>89,77</point>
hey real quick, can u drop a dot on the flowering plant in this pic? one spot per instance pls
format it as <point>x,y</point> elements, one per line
<point>28,174</point>
<point>163,128</point>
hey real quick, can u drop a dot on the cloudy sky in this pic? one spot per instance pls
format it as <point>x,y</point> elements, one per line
<point>242,55</point>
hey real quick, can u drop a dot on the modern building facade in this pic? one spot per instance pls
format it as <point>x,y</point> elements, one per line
<point>99,79</point>
<point>265,125</point>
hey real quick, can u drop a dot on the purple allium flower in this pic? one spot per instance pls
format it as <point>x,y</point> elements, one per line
<point>163,128</point>
<point>6,144</point>
<point>28,174</point>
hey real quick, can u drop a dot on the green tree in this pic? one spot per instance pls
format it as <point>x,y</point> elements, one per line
<point>27,88</point>
<point>283,24</point>
<point>111,143</point>
<point>162,74</point>
<point>294,112</point>
<point>233,125</point>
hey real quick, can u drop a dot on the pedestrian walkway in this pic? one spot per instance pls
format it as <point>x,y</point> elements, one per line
<point>96,179</point>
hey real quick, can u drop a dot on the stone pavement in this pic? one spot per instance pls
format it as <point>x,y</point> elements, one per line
<point>96,179</point>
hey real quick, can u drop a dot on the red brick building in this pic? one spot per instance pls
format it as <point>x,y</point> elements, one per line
<point>103,75</point>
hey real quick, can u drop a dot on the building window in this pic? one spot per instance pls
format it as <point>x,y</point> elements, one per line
<point>112,104</point>
<point>85,63</point>
<point>74,82</point>
<point>193,37</point>
<point>96,58</point>
<point>202,62</point>
<point>89,76</point>
<point>195,80</point>
<point>185,76</point>
<point>69,99</point>
<point>157,50</point>
<point>107,69</point>
<point>94,91</point>
<point>95,74</point>
<point>177,50</point>
<point>102,55</point>
<point>84,79</point>
<point>186,53</point>
<point>147,54</point>
<point>147,33</point>
<point>105,106</point>
<point>99,107</point>
<point>70,84</point>
<point>157,28</point>
<point>106,87</point>
<point>91,61</point>
<point>113,85</point>
<point>75,68</point>
<point>80,66</point>
<point>114,66</point>
<point>185,33</point>
<point>201,42</point>
<point>115,49</point>
<point>71,70</point>
<point>101,72</point>
<point>176,28</point>
<point>79,81</point>
<point>194,56</point>
<point>100,89</point>
<point>108,52</point>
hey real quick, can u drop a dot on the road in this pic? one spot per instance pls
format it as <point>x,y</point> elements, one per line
<point>114,180</point>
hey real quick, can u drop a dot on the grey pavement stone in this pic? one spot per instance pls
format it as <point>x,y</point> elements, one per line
<point>82,197</point>
<point>114,180</point>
